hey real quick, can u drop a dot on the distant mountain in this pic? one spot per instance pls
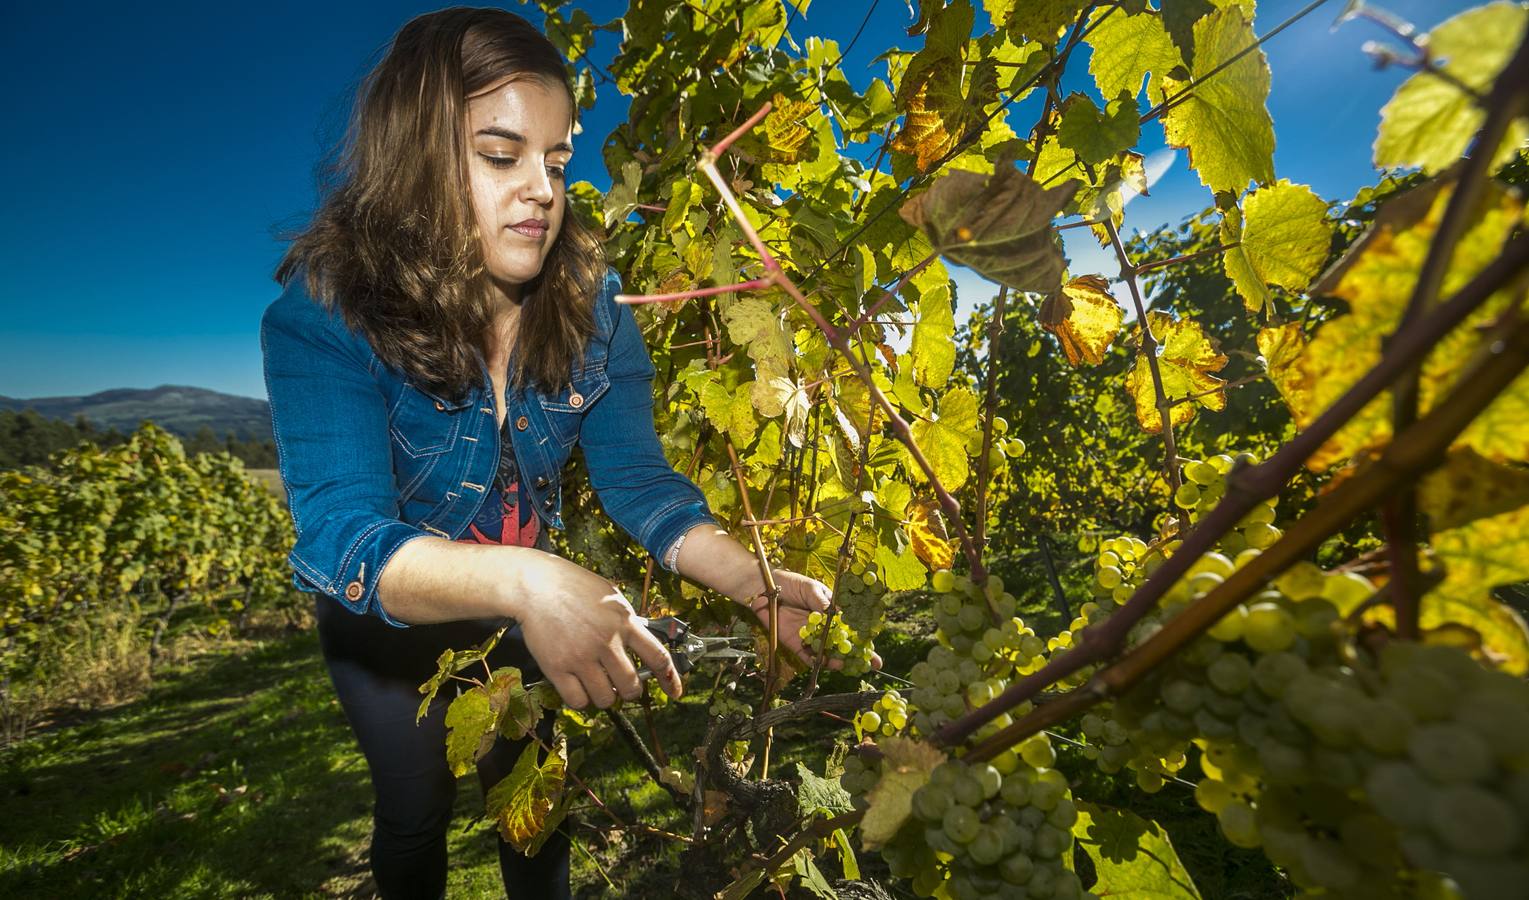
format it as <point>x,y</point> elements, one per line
<point>176,408</point>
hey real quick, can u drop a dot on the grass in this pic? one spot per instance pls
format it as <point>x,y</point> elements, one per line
<point>237,775</point>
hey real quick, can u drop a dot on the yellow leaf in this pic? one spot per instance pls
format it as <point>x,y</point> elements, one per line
<point>522,801</point>
<point>1185,360</point>
<point>1470,487</point>
<point>1085,317</point>
<point>1376,277</point>
<point>905,767</point>
<point>1281,347</point>
<point>1477,557</point>
<point>926,531</point>
<point>786,128</point>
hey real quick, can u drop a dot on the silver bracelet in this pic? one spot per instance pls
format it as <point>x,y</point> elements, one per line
<point>672,557</point>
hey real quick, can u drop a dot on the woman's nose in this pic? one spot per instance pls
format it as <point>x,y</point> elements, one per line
<point>537,186</point>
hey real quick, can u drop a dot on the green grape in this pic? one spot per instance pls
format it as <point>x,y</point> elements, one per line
<point>1213,562</point>
<point>1221,462</point>
<point>1269,628</point>
<point>1347,590</point>
<point>1302,581</point>
<point>869,720</point>
<point>1108,577</point>
<point>1230,673</point>
<point>1473,820</point>
<point>1230,626</point>
<point>931,802</point>
<point>968,790</point>
<point>1213,795</point>
<point>1400,793</point>
<point>1187,496</point>
<point>1016,869</point>
<point>1448,753</point>
<point>1000,425</point>
<point>961,824</point>
<point>989,778</point>
<point>942,581</point>
<point>1038,752</point>
<point>986,848</point>
<point>1260,535</point>
<point>1015,448</point>
<point>1239,824</point>
<point>1201,473</point>
<point>1016,790</point>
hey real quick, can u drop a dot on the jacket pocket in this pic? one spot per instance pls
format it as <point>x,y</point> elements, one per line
<point>420,425</point>
<point>565,409</point>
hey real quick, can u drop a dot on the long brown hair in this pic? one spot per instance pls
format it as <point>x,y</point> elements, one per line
<point>394,245</point>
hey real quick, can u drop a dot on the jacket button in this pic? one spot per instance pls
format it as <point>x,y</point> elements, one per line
<point>353,591</point>
<point>541,481</point>
<point>521,423</point>
<point>439,406</point>
<point>576,400</point>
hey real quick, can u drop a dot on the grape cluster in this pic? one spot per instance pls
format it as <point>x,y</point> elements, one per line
<point>852,629</point>
<point>888,717</point>
<point>1345,768</point>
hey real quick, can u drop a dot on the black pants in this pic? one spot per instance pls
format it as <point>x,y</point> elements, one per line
<point>377,670</point>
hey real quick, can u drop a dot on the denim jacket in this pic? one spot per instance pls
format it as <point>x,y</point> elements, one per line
<point>371,460</point>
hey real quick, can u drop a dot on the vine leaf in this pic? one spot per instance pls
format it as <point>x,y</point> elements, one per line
<point>775,395</point>
<point>1469,487</point>
<point>946,439</point>
<point>522,803</point>
<point>905,767</point>
<point>752,323</point>
<point>1284,239</point>
<point>1281,347</point>
<point>1476,557</point>
<point>1224,123</point>
<point>1095,136</point>
<point>1133,856</point>
<point>517,709</point>
<point>999,225</point>
<point>926,532</point>
<point>621,199</point>
<point>1376,277</point>
<point>1038,20</point>
<point>934,345</point>
<point>786,129</point>
<point>1085,317</point>
<point>1186,362</point>
<point>941,99</point>
<point>1430,121</point>
<point>1127,49</point>
<point>731,411</point>
<point>820,795</point>
<point>470,724</point>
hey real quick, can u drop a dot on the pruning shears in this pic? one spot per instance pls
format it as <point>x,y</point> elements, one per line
<point>688,649</point>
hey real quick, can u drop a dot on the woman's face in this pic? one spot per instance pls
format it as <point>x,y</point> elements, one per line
<point>520,134</point>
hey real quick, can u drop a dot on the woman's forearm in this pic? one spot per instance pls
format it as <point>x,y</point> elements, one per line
<point>715,559</point>
<point>431,579</point>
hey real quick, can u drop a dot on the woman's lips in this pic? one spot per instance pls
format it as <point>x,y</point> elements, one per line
<point>530,229</point>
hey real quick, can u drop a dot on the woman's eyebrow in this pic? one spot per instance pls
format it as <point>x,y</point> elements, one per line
<point>517,137</point>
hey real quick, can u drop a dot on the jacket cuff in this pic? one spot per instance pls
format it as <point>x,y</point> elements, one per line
<point>355,586</point>
<point>672,525</point>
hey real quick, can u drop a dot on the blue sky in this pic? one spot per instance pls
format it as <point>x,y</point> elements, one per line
<point>155,158</point>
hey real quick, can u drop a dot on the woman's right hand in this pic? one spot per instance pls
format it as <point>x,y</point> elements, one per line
<point>579,628</point>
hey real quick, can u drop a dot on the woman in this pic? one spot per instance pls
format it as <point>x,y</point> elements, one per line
<point>447,333</point>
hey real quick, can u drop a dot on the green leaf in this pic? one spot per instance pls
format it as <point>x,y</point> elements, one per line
<point>901,569</point>
<point>934,345</point>
<point>621,199</point>
<point>517,708</point>
<point>1285,238</point>
<point>905,767</point>
<point>1095,136</point>
<point>1128,48</point>
<point>731,411</point>
<point>810,878</point>
<point>820,795</point>
<point>946,439</point>
<point>999,225</point>
<point>1223,123</point>
<point>469,719</point>
<point>684,194</point>
<point>1430,121</point>
<point>752,322</point>
<point>522,802</point>
<point>847,855</point>
<point>1134,858</point>
<point>1039,20</point>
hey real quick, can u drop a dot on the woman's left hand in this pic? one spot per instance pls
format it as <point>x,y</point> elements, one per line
<point>800,596</point>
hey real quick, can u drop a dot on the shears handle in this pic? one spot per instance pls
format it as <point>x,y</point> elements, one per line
<point>671,632</point>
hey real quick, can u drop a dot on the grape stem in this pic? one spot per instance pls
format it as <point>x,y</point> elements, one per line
<point>1249,486</point>
<point>1148,351</point>
<point>1415,451</point>
<point>990,411</point>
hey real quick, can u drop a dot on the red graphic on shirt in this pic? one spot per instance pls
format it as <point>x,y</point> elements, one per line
<point>510,531</point>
